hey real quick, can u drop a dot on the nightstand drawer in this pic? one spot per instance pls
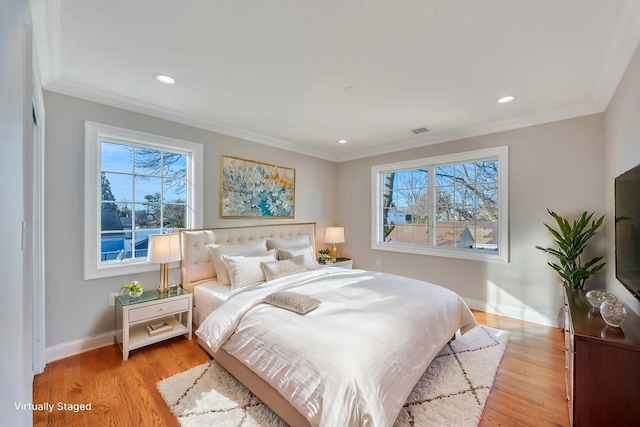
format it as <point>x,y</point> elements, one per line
<point>155,310</point>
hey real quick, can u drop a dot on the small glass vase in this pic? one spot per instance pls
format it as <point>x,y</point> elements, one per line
<point>613,312</point>
<point>135,295</point>
<point>595,297</point>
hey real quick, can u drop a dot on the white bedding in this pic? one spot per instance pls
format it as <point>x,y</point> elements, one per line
<point>352,361</point>
<point>210,295</point>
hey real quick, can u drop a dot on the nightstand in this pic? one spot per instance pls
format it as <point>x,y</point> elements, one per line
<point>134,315</point>
<point>346,263</point>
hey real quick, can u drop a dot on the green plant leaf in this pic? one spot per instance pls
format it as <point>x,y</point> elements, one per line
<point>571,240</point>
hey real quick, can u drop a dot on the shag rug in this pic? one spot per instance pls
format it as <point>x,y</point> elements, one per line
<point>452,392</point>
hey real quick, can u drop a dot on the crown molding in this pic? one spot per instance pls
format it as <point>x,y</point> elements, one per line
<point>100,96</point>
<point>455,135</point>
<point>89,93</point>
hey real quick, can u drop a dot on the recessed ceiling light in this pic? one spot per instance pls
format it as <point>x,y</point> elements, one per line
<point>506,99</point>
<point>342,141</point>
<point>163,78</point>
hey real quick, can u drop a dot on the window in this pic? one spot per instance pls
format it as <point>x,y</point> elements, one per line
<point>136,184</point>
<point>454,205</point>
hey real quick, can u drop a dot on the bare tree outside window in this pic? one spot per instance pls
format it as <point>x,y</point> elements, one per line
<point>466,205</point>
<point>469,217</point>
<point>143,191</point>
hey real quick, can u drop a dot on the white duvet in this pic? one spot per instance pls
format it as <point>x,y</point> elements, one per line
<point>352,361</point>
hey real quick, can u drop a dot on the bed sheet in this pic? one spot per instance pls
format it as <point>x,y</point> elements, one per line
<point>209,295</point>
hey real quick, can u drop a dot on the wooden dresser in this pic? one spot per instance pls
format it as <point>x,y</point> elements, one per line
<point>602,365</point>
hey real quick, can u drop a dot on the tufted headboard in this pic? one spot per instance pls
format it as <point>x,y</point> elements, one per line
<point>196,263</point>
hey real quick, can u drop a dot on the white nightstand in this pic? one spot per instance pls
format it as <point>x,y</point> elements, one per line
<point>133,316</point>
<point>346,263</point>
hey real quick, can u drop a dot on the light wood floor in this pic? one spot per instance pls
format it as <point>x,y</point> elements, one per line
<point>528,389</point>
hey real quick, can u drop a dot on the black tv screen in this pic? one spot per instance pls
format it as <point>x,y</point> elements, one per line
<point>627,195</point>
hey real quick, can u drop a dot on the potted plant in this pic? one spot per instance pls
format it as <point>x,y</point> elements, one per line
<point>571,240</point>
<point>134,288</point>
<point>325,257</point>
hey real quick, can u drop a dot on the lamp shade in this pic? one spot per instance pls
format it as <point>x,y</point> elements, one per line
<point>334,235</point>
<point>163,248</point>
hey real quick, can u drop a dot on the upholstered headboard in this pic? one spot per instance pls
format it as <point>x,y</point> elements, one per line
<point>196,262</point>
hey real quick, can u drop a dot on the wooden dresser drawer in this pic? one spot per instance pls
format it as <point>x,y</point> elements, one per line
<point>160,309</point>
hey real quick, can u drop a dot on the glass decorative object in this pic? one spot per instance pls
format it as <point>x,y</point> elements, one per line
<point>595,297</point>
<point>613,312</point>
<point>135,294</point>
<point>134,289</point>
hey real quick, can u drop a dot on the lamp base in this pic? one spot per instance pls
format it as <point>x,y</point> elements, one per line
<point>164,278</point>
<point>333,252</point>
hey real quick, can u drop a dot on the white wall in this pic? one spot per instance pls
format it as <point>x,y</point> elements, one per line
<point>75,308</point>
<point>622,139</point>
<point>15,199</point>
<point>557,165</point>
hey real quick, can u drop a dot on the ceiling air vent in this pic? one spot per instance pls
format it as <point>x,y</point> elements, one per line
<point>420,130</point>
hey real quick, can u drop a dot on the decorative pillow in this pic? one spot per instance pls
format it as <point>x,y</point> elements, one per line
<point>310,262</point>
<point>298,303</point>
<point>244,271</point>
<point>288,242</point>
<point>285,267</point>
<point>257,247</point>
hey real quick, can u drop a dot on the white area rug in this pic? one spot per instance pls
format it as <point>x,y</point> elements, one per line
<point>452,392</point>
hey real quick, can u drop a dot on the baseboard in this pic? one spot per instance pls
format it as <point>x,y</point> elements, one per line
<point>520,313</point>
<point>70,348</point>
<point>66,349</point>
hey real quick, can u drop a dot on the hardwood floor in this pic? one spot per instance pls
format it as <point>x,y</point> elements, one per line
<point>528,389</point>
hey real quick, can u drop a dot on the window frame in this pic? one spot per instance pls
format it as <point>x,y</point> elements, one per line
<point>94,134</point>
<point>377,171</point>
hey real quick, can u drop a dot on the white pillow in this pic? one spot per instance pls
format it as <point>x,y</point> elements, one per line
<point>285,267</point>
<point>310,262</point>
<point>245,271</point>
<point>288,242</point>
<point>255,247</point>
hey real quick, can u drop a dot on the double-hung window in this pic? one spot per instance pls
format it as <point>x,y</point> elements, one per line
<point>453,205</point>
<point>136,185</point>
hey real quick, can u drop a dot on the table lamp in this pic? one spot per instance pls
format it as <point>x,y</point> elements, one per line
<point>334,235</point>
<point>163,249</point>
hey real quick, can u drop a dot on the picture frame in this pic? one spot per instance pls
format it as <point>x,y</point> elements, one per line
<point>252,189</point>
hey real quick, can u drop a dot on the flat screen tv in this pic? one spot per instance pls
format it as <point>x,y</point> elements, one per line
<point>627,195</point>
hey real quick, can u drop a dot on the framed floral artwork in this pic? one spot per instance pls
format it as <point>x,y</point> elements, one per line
<point>254,189</point>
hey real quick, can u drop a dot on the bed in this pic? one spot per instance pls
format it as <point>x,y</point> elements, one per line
<point>351,360</point>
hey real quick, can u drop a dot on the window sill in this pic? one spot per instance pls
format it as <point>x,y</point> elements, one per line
<point>474,255</point>
<point>123,269</point>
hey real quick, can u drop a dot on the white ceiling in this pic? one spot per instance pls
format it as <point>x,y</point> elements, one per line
<point>275,72</point>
